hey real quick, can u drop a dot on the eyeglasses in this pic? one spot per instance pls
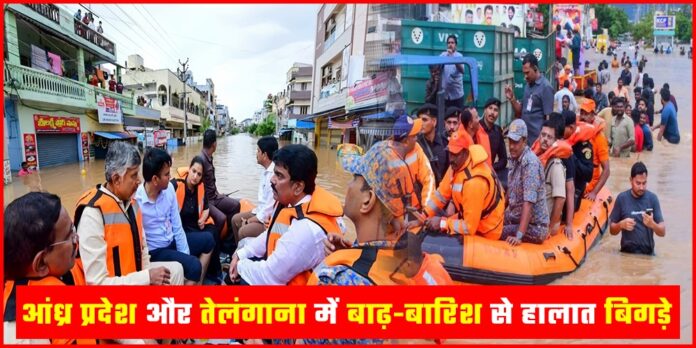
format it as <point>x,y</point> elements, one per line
<point>72,238</point>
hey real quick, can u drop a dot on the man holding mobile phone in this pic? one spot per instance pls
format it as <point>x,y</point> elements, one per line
<point>637,215</point>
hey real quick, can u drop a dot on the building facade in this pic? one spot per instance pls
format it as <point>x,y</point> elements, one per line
<point>53,116</point>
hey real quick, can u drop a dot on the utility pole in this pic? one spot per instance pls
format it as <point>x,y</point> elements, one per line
<point>182,76</point>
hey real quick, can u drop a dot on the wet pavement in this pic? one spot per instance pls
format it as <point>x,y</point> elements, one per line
<point>670,177</point>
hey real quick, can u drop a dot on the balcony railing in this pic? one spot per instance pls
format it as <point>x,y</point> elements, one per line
<point>42,82</point>
<point>47,10</point>
<point>300,95</point>
<point>92,36</point>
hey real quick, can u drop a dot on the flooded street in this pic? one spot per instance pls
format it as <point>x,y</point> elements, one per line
<point>670,177</point>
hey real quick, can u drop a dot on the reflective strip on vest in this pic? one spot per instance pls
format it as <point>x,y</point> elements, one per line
<point>411,159</point>
<point>279,228</point>
<point>457,187</point>
<point>116,218</point>
<point>429,279</point>
<point>460,227</point>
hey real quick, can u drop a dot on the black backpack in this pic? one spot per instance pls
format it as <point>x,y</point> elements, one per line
<point>584,167</point>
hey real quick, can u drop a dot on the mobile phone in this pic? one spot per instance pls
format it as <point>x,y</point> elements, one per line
<point>649,211</point>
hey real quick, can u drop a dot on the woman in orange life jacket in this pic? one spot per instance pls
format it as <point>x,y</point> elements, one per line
<point>193,205</point>
<point>40,247</point>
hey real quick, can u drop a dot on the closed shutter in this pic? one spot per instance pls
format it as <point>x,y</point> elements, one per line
<point>57,149</point>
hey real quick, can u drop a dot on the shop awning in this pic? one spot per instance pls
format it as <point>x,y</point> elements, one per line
<point>305,125</point>
<point>378,116</point>
<point>385,132</point>
<point>115,135</point>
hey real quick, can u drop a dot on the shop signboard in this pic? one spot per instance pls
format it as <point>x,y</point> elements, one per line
<point>664,22</point>
<point>30,154</point>
<point>85,146</point>
<point>569,17</point>
<point>109,110</point>
<point>368,92</point>
<point>56,124</point>
<point>507,15</point>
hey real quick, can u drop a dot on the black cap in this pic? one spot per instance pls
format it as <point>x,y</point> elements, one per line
<point>492,101</point>
<point>452,111</point>
<point>427,109</point>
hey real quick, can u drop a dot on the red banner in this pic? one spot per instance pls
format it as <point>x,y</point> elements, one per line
<point>56,124</point>
<point>30,154</point>
<point>368,92</point>
<point>447,312</point>
<point>85,146</point>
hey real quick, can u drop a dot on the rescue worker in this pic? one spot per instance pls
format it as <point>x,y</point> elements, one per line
<point>293,245</point>
<point>551,151</point>
<point>433,144</point>
<point>406,131</point>
<point>579,135</point>
<point>472,125</point>
<point>600,152</point>
<point>473,188</point>
<point>452,116</point>
<point>40,247</point>
<point>373,203</point>
<point>112,249</point>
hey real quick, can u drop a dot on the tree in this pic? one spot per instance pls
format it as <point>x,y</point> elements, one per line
<point>267,127</point>
<point>612,18</point>
<point>205,123</point>
<point>644,28</point>
<point>683,25</point>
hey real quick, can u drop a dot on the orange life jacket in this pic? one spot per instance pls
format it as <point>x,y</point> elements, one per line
<point>323,209</point>
<point>381,267</point>
<point>559,149</point>
<point>422,174</point>
<point>491,223</point>
<point>10,304</point>
<point>481,138</point>
<point>583,132</point>
<point>180,185</point>
<point>122,231</point>
<point>432,272</point>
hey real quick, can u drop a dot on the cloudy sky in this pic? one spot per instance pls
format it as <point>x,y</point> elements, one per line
<point>245,49</point>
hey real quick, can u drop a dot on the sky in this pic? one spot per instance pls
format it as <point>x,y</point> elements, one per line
<point>245,49</point>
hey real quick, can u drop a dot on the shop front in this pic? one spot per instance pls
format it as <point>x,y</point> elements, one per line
<point>57,141</point>
<point>143,125</point>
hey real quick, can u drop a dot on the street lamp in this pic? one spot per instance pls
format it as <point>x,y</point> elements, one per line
<point>182,76</point>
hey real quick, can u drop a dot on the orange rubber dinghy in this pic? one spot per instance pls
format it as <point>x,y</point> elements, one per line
<point>245,204</point>
<point>477,260</point>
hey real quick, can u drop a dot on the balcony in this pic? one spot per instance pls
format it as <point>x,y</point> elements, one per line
<point>51,12</point>
<point>40,86</point>
<point>300,95</point>
<point>92,36</point>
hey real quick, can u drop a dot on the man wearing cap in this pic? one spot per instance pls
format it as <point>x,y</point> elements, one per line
<point>537,102</point>
<point>527,217</point>
<point>600,151</point>
<point>472,125</point>
<point>565,91</point>
<point>452,115</point>
<point>405,144</point>
<point>491,110</point>
<point>433,144</point>
<point>476,193</point>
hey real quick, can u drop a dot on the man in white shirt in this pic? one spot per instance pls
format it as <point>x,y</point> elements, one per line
<point>558,98</point>
<point>252,224</point>
<point>293,245</point>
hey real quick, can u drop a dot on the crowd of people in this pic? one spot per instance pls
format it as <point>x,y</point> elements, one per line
<point>178,231</point>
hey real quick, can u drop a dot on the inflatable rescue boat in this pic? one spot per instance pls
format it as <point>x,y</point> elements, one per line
<point>477,260</point>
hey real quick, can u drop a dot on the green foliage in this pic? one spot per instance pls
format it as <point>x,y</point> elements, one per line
<point>234,130</point>
<point>644,28</point>
<point>683,25</point>
<point>206,123</point>
<point>251,129</point>
<point>267,127</point>
<point>612,18</point>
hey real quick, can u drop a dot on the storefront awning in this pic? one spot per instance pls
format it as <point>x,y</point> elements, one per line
<point>385,132</point>
<point>115,135</point>
<point>378,116</point>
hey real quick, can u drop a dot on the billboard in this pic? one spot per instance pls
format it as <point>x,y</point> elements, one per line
<point>568,16</point>
<point>506,15</point>
<point>663,22</point>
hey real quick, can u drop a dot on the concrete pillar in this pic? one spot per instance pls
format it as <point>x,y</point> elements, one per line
<point>81,76</point>
<point>11,38</point>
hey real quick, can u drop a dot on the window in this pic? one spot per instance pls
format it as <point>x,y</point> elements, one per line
<point>326,73</point>
<point>330,27</point>
<point>304,110</point>
<point>162,95</point>
<point>303,86</point>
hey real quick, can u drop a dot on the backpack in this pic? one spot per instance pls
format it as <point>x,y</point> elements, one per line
<point>584,167</point>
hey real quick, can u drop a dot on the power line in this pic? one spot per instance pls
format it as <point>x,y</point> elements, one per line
<point>154,20</point>
<point>144,32</point>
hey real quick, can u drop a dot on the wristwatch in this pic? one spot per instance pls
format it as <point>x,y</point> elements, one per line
<point>443,224</point>
<point>520,234</point>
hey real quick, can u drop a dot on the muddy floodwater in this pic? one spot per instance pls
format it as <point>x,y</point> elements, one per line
<point>670,172</point>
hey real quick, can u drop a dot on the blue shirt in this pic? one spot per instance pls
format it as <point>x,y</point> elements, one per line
<point>669,120</point>
<point>161,221</point>
<point>452,79</point>
<point>647,137</point>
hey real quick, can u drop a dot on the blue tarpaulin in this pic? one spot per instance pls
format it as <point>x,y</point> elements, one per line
<point>304,124</point>
<point>115,135</point>
<point>397,60</point>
